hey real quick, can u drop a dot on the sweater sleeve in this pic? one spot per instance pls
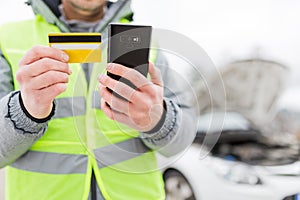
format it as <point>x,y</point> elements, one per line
<point>177,129</point>
<point>18,131</point>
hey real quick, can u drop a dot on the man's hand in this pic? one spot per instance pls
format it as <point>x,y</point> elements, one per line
<point>144,106</point>
<point>42,75</point>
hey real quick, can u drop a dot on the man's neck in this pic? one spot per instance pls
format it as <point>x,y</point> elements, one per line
<point>82,15</point>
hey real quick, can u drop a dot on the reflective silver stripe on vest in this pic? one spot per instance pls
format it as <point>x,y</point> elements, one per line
<point>68,107</point>
<point>52,163</point>
<point>119,152</point>
<point>56,163</point>
<point>96,100</point>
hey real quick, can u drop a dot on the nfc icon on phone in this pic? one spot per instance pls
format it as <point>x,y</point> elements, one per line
<point>130,39</point>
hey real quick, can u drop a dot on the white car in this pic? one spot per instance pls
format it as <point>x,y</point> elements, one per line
<point>243,151</point>
<point>243,168</point>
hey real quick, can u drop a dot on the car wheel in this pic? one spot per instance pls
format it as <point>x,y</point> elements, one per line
<point>177,187</point>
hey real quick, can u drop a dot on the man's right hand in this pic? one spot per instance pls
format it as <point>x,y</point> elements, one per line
<point>42,75</point>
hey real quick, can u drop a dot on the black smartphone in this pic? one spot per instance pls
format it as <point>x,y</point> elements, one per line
<point>129,45</point>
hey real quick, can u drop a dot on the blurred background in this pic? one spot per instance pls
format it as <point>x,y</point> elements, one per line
<point>255,45</point>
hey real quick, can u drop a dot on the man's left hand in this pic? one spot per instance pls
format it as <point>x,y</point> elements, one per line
<point>144,106</point>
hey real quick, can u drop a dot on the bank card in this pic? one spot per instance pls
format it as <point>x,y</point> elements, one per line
<point>81,47</point>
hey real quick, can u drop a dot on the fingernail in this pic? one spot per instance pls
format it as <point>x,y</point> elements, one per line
<point>109,66</point>
<point>65,57</point>
<point>101,77</point>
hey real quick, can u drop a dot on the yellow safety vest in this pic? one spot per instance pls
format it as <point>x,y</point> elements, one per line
<point>79,138</point>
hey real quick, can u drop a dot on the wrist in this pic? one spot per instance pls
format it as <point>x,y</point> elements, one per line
<point>37,117</point>
<point>160,122</point>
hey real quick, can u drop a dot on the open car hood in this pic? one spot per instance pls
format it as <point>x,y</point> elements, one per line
<point>252,88</point>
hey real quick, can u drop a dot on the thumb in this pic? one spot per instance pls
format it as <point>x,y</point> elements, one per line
<point>155,75</point>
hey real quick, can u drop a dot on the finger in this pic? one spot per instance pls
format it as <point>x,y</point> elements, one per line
<point>115,103</point>
<point>155,75</point>
<point>44,65</point>
<point>106,109</point>
<point>130,74</point>
<point>118,87</point>
<point>53,91</point>
<point>48,79</point>
<point>114,115</point>
<point>120,117</point>
<point>38,52</point>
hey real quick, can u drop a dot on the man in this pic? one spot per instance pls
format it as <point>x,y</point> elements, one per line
<point>58,135</point>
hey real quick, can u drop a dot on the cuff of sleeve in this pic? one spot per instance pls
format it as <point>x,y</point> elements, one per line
<point>33,118</point>
<point>169,127</point>
<point>161,121</point>
<point>22,120</point>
